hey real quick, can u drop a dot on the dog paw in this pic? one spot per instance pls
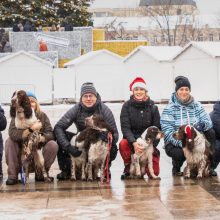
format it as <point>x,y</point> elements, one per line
<point>48,180</point>
<point>186,177</point>
<point>199,177</point>
<point>156,178</point>
<point>73,178</point>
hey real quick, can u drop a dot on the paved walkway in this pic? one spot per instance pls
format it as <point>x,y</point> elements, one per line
<point>168,198</point>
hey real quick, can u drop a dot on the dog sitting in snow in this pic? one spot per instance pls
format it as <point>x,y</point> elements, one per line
<point>196,150</point>
<point>139,162</point>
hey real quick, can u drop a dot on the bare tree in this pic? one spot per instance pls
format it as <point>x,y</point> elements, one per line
<point>115,30</point>
<point>172,21</point>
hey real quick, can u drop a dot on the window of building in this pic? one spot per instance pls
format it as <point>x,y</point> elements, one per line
<point>171,38</point>
<point>162,38</point>
<point>155,39</point>
<point>200,37</point>
<point>184,38</point>
<point>211,37</point>
<point>178,11</point>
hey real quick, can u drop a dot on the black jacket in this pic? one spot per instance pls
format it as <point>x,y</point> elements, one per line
<point>77,115</point>
<point>215,116</point>
<point>3,123</point>
<point>136,117</point>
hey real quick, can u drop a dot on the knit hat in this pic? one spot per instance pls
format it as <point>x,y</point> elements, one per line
<point>182,81</point>
<point>88,87</point>
<point>31,94</point>
<point>138,82</point>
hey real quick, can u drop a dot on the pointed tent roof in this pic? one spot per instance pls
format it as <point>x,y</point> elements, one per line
<point>209,47</point>
<point>90,55</point>
<point>13,55</point>
<point>158,53</point>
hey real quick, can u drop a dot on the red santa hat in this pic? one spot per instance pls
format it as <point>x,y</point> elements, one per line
<point>138,82</point>
<point>188,132</point>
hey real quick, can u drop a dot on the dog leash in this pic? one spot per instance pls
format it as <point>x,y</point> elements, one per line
<point>23,177</point>
<point>108,156</point>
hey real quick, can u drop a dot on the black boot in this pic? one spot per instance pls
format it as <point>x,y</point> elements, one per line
<point>126,172</point>
<point>176,171</point>
<point>11,181</point>
<point>63,175</point>
<point>213,166</point>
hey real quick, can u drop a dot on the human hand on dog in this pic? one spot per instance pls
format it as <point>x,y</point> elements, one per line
<point>74,151</point>
<point>36,126</point>
<point>199,126</point>
<point>138,149</point>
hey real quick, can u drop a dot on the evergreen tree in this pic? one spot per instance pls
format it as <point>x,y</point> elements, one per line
<point>45,12</point>
<point>74,12</point>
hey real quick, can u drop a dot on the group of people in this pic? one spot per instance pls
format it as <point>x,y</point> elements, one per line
<point>29,26</point>
<point>137,114</point>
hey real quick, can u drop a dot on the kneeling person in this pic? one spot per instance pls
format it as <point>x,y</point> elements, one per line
<point>90,104</point>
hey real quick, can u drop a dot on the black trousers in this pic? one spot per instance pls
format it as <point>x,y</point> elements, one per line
<point>177,155</point>
<point>64,160</point>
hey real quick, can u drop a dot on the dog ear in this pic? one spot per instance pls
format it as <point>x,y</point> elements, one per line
<point>12,111</point>
<point>149,136</point>
<point>26,104</point>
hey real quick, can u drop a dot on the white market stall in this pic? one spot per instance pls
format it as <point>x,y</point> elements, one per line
<point>23,70</point>
<point>154,64</point>
<point>104,69</point>
<point>200,62</point>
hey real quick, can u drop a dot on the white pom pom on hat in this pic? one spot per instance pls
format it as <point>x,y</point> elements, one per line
<point>138,82</point>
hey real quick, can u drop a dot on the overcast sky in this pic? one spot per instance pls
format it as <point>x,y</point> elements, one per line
<point>208,6</point>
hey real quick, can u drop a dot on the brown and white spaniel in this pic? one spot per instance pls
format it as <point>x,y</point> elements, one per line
<point>196,150</point>
<point>31,154</point>
<point>93,141</point>
<point>21,110</point>
<point>139,162</point>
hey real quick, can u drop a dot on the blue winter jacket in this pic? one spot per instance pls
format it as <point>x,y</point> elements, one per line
<point>176,114</point>
<point>215,116</point>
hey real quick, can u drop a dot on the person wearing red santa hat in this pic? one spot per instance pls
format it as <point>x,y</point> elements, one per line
<point>137,114</point>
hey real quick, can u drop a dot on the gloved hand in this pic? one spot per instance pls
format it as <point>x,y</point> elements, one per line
<point>199,126</point>
<point>74,151</point>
